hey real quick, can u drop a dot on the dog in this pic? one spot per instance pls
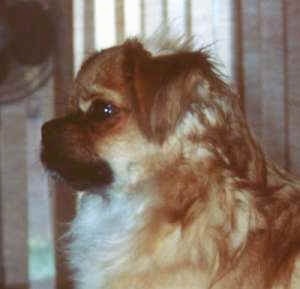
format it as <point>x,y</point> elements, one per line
<point>177,193</point>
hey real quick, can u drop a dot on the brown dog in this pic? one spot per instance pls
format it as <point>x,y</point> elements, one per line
<point>179,195</point>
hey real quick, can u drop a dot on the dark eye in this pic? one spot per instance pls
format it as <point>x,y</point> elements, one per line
<point>100,110</point>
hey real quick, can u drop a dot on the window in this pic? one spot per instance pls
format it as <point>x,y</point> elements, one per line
<point>208,22</point>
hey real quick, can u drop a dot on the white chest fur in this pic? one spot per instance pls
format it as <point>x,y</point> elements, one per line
<point>100,237</point>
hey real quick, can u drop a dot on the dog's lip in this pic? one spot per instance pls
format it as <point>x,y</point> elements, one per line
<point>82,187</point>
<point>92,177</point>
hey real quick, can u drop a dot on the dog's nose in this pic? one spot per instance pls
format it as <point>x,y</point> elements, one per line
<point>45,129</point>
<point>50,132</point>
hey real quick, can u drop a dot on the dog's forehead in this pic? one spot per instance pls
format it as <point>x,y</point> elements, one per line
<point>102,75</point>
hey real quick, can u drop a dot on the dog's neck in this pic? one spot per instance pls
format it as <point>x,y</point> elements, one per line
<point>130,233</point>
<point>101,236</point>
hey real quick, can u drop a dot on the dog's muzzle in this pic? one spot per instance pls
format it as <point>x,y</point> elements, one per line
<point>67,154</point>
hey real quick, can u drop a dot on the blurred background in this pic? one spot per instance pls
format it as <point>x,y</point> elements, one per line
<point>42,44</point>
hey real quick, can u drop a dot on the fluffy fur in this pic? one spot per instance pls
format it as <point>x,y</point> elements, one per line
<point>188,199</point>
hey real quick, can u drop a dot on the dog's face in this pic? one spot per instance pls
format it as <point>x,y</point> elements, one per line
<point>99,142</point>
<point>135,114</point>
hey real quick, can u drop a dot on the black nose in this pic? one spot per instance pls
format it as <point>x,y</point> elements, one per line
<point>51,131</point>
<point>46,128</point>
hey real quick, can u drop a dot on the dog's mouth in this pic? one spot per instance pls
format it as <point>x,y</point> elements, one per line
<point>79,175</point>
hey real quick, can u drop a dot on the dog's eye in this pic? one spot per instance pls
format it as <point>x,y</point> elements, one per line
<point>100,110</point>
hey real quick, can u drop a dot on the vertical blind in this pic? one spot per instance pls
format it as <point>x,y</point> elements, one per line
<point>208,22</point>
<point>270,63</point>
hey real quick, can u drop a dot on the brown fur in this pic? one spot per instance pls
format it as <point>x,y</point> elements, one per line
<point>226,219</point>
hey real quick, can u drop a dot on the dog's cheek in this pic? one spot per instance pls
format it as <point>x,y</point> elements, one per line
<point>126,152</point>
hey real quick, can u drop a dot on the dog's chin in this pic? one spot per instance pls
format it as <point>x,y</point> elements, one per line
<point>92,177</point>
<point>99,188</point>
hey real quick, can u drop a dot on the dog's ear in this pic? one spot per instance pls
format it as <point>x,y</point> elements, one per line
<point>161,87</point>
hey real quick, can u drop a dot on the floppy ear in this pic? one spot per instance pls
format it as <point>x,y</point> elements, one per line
<point>162,87</point>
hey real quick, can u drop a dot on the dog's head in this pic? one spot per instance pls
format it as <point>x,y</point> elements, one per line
<point>137,116</point>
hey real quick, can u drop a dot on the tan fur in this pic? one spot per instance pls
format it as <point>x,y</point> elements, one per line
<point>220,215</point>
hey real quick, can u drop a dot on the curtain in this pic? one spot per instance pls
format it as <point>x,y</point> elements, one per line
<point>270,67</point>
